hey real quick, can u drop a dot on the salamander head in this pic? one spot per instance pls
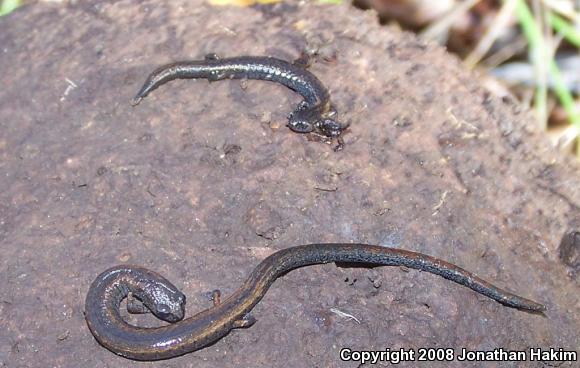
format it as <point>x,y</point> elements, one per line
<point>170,312</point>
<point>162,298</point>
<point>312,121</point>
<point>329,128</point>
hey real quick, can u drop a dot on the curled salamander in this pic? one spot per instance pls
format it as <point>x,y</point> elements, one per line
<point>315,114</point>
<point>102,306</point>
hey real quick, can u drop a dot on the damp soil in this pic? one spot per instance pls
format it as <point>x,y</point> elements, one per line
<point>201,181</point>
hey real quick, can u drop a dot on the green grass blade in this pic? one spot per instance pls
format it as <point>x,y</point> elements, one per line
<point>538,53</point>
<point>561,26</point>
<point>564,95</point>
<point>7,6</point>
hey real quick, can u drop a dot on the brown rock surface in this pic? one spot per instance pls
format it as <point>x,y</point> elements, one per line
<point>200,182</point>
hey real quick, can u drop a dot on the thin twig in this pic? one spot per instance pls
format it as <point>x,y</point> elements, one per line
<point>497,26</point>
<point>441,26</point>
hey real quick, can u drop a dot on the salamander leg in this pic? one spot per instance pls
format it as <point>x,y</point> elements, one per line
<point>303,61</point>
<point>211,56</point>
<point>245,322</point>
<point>135,306</point>
<point>216,297</point>
<point>215,75</point>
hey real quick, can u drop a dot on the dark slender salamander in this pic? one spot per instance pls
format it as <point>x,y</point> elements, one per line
<point>314,114</point>
<point>196,332</point>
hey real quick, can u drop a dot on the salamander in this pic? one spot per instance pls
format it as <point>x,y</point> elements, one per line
<point>315,114</point>
<point>164,300</point>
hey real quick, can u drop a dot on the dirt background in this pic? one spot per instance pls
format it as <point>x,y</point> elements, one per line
<point>200,182</point>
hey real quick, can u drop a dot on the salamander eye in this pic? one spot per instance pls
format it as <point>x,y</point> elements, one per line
<point>166,313</point>
<point>163,309</point>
